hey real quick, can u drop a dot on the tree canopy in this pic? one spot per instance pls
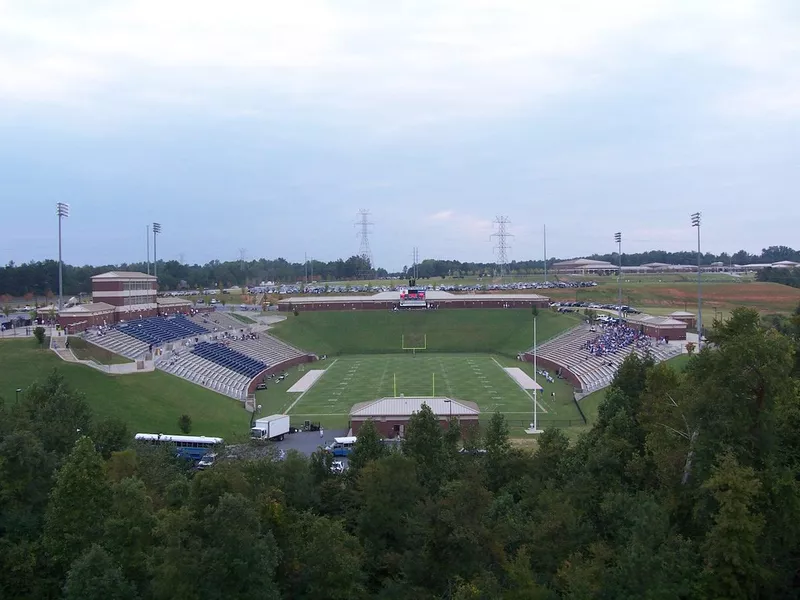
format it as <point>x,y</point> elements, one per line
<point>686,487</point>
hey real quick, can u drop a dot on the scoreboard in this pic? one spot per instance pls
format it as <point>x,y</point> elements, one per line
<point>412,296</point>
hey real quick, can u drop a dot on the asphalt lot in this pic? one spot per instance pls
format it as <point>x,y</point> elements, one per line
<point>307,442</point>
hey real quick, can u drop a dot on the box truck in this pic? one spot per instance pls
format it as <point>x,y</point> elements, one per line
<point>272,428</point>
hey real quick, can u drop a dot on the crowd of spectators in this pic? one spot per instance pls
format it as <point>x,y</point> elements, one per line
<point>616,337</point>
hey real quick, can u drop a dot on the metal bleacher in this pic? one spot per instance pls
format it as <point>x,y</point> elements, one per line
<point>118,343</point>
<point>267,349</point>
<point>229,358</point>
<point>595,372</point>
<point>161,330</point>
<point>209,374</point>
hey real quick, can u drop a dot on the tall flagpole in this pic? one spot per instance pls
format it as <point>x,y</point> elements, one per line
<point>535,408</point>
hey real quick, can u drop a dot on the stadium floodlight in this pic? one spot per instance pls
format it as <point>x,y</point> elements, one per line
<point>156,231</point>
<point>696,223</point>
<point>62,210</point>
<point>618,239</point>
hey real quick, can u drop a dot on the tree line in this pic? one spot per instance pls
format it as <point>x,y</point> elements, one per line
<point>39,279</point>
<point>789,277</point>
<point>686,487</point>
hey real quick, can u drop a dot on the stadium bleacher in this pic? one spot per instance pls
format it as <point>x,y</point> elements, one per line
<point>207,373</point>
<point>161,330</point>
<point>594,372</point>
<point>229,358</point>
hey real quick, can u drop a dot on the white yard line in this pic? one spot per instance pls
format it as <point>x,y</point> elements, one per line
<point>300,397</point>
<point>446,378</point>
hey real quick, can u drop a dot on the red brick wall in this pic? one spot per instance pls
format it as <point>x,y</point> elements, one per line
<point>78,323</point>
<point>106,286</point>
<point>251,388</point>
<point>367,304</point>
<point>386,427</point>
<point>553,366</point>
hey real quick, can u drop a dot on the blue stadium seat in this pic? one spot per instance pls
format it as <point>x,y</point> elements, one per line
<point>226,357</point>
<point>161,330</point>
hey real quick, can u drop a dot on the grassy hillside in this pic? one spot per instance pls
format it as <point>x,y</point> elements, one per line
<point>380,332</point>
<point>147,402</point>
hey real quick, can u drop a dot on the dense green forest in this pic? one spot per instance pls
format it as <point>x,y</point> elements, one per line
<point>40,278</point>
<point>687,487</point>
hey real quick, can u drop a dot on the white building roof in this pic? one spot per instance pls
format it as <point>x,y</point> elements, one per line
<point>405,406</point>
<point>124,275</point>
<point>168,300</point>
<point>654,320</point>
<point>87,309</point>
<point>585,262</point>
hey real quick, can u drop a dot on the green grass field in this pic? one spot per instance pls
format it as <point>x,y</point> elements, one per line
<point>481,331</point>
<point>147,402</point>
<point>476,377</point>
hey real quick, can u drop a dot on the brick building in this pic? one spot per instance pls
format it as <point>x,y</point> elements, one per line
<point>119,296</point>
<point>391,415</point>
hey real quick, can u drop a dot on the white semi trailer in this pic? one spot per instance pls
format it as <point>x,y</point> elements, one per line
<point>272,428</point>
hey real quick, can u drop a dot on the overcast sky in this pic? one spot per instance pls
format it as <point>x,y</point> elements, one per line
<point>266,126</point>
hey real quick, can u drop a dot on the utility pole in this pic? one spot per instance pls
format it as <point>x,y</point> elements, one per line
<point>696,223</point>
<point>544,229</point>
<point>502,234</point>
<point>364,230</point>
<point>618,239</point>
<point>62,210</point>
<point>156,231</point>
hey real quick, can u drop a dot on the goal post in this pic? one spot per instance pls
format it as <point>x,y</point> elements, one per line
<point>414,341</point>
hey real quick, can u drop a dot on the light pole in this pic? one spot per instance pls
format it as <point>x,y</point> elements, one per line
<point>618,239</point>
<point>62,210</point>
<point>535,425</point>
<point>696,223</point>
<point>156,231</point>
<point>148,249</point>
<point>18,392</point>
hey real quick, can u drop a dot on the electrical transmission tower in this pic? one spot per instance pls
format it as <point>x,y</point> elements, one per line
<point>502,236</point>
<point>364,230</point>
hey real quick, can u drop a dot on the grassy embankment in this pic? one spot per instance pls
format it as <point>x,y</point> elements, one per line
<point>147,402</point>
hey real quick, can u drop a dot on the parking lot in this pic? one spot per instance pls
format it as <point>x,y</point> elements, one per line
<point>307,442</point>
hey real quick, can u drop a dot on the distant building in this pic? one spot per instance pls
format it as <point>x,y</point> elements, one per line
<point>118,296</point>
<point>391,415</point>
<point>658,327</point>
<point>681,315</point>
<point>584,266</point>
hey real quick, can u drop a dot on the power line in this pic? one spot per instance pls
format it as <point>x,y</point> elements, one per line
<point>502,235</point>
<point>364,231</point>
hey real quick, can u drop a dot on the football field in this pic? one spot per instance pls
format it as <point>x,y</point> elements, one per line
<point>479,378</point>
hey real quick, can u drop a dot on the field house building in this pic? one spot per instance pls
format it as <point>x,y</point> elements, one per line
<point>119,296</point>
<point>433,299</point>
<point>391,415</point>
